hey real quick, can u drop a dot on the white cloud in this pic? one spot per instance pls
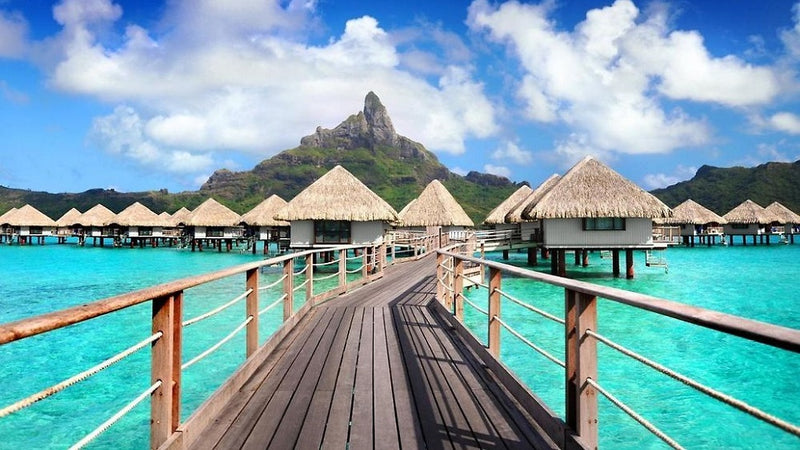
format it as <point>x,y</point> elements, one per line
<point>786,122</point>
<point>13,32</point>
<point>246,81</point>
<point>12,95</point>
<point>609,77</point>
<point>661,180</point>
<point>791,36</point>
<point>511,151</point>
<point>500,171</point>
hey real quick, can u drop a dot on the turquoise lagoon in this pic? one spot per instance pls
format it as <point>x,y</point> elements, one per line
<point>756,282</point>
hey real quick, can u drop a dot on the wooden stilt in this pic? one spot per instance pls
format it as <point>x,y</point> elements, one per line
<point>532,256</point>
<point>628,263</point>
<point>615,260</point>
<point>505,255</point>
<point>577,257</point>
<point>554,266</point>
<point>585,258</point>
<point>562,265</point>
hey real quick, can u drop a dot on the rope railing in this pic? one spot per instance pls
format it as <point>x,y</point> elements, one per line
<point>634,415</point>
<point>445,284</point>
<point>531,307</point>
<point>216,346</point>
<point>299,286</point>
<point>273,284</point>
<point>302,271</point>
<point>273,304</point>
<point>530,344</point>
<point>30,400</point>
<point>217,310</point>
<point>446,268</point>
<point>335,261</point>
<point>353,258</point>
<point>355,270</point>
<point>478,308</point>
<point>115,418</point>
<point>327,277</point>
<point>713,393</point>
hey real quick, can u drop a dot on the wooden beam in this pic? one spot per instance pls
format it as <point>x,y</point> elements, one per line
<point>581,360</point>
<point>458,289</point>
<point>251,310</point>
<point>495,280</point>
<point>288,288</point>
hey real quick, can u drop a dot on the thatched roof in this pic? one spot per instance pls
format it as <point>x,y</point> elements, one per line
<point>782,214</point>
<point>137,215</point>
<point>29,216</point>
<point>498,214</point>
<point>435,206</point>
<point>592,189</point>
<point>747,212</point>
<point>517,213</point>
<point>263,215</point>
<point>166,217</point>
<point>211,213</point>
<point>96,216</point>
<point>338,195</point>
<point>180,216</point>
<point>693,213</point>
<point>69,218</point>
<point>4,217</point>
<point>405,208</point>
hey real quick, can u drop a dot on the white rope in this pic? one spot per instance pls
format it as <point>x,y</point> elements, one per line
<point>353,258</point>
<point>219,344</point>
<point>541,351</point>
<point>326,264</point>
<point>446,268</point>
<point>532,308</point>
<point>24,403</point>
<point>355,270</point>
<point>635,416</point>
<point>194,320</point>
<point>273,284</point>
<point>108,423</point>
<point>483,285</point>
<point>327,277</point>
<point>273,304</point>
<point>475,306</point>
<point>300,285</point>
<point>444,285</point>
<point>301,271</point>
<point>724,398</point>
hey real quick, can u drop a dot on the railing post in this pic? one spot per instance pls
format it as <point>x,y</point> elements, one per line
<point>495,277</point>
<point>288,288</point>
<point>382,258</point>
<point>309,277</point>
<point>365,263</point>
<point>166,366</point>
<point>581,358</point>
<point>439,272</point>
<point>458,290</point>
<point>448,293</point>
<point>251,310</point>
<point>342,267</point>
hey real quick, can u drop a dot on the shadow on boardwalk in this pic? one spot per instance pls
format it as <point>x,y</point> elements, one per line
<point>375,368</point>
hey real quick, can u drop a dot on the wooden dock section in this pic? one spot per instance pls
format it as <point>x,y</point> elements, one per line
<point>374,368</point>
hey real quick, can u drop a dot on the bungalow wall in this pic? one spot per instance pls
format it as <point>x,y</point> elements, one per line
<point>217,232</point>
<point>529,230</point>
<point>302,233</point>
<point>570,233</point>
<point>741,228</point>
<point>26,230</point>
<point>145,232</point>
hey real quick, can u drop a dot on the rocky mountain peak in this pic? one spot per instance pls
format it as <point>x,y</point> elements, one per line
<point>377,117</point>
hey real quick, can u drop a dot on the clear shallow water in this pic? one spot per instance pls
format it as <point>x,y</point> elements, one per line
<point>754,282</point>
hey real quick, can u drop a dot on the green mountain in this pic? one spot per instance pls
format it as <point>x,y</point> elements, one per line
<point>722,189</point>
<point>366,144</point>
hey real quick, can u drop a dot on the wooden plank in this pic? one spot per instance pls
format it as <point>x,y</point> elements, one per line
<point>361,420</point>
<point>385,428</point>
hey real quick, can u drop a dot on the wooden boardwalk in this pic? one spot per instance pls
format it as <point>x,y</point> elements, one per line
<point>375,368</point>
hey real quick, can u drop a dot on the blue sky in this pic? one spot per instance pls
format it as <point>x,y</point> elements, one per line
<point>145,95</point>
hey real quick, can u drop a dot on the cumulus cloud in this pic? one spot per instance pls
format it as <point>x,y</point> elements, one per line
<point>608,78</point>
<point>500,171</point>
<point>242,78</point>
<point>661,180</point>
<point>791,36</point>
<point>510,151</point>
<point>13,32</point>
<point>786,122</point>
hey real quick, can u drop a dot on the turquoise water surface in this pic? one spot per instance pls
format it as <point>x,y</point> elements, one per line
<point>755,282</point>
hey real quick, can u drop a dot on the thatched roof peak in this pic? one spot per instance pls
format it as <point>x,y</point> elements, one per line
<point>498,214</point>
<point>179,216</point>
<point>435,206</point>
<point>29,216</point>
<point>263,215</point>
<point>692,213</point>
<point>748,212</point>
<point>69,218</point>
<point>96,216</point>
<point>211,213</point>
<point>338,195</point>
<point>137,215</point>
<point>592,189</point>
<point>518,212</point>
<point>4,217</point>
<point>782,214</point>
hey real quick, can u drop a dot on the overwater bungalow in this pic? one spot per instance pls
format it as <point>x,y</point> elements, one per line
<point>531,229</point>
<point>68,225</point>
<point>261,225</point>
<point>337,209</point>
<point>784,218</point>
<point>212,224</point>
<point>592,207</point>
<point>695,220</point>
<point>138,226</point>
<point>435,211</point>
<point>179,217</point>
<point>92,224</point>
<point>28,224</point>
<point>747,219</point>
<point>5,228</point>
<point>503,233</point>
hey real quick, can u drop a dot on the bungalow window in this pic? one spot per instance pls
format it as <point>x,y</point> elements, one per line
<point>604,224</point>
<point>215,232</point>
<point>332,232</point>
<point>740,226</point>
<point>35,230</point>
<point>145,231</point>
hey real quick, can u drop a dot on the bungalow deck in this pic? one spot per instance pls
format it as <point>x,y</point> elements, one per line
<point>374,368</point>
